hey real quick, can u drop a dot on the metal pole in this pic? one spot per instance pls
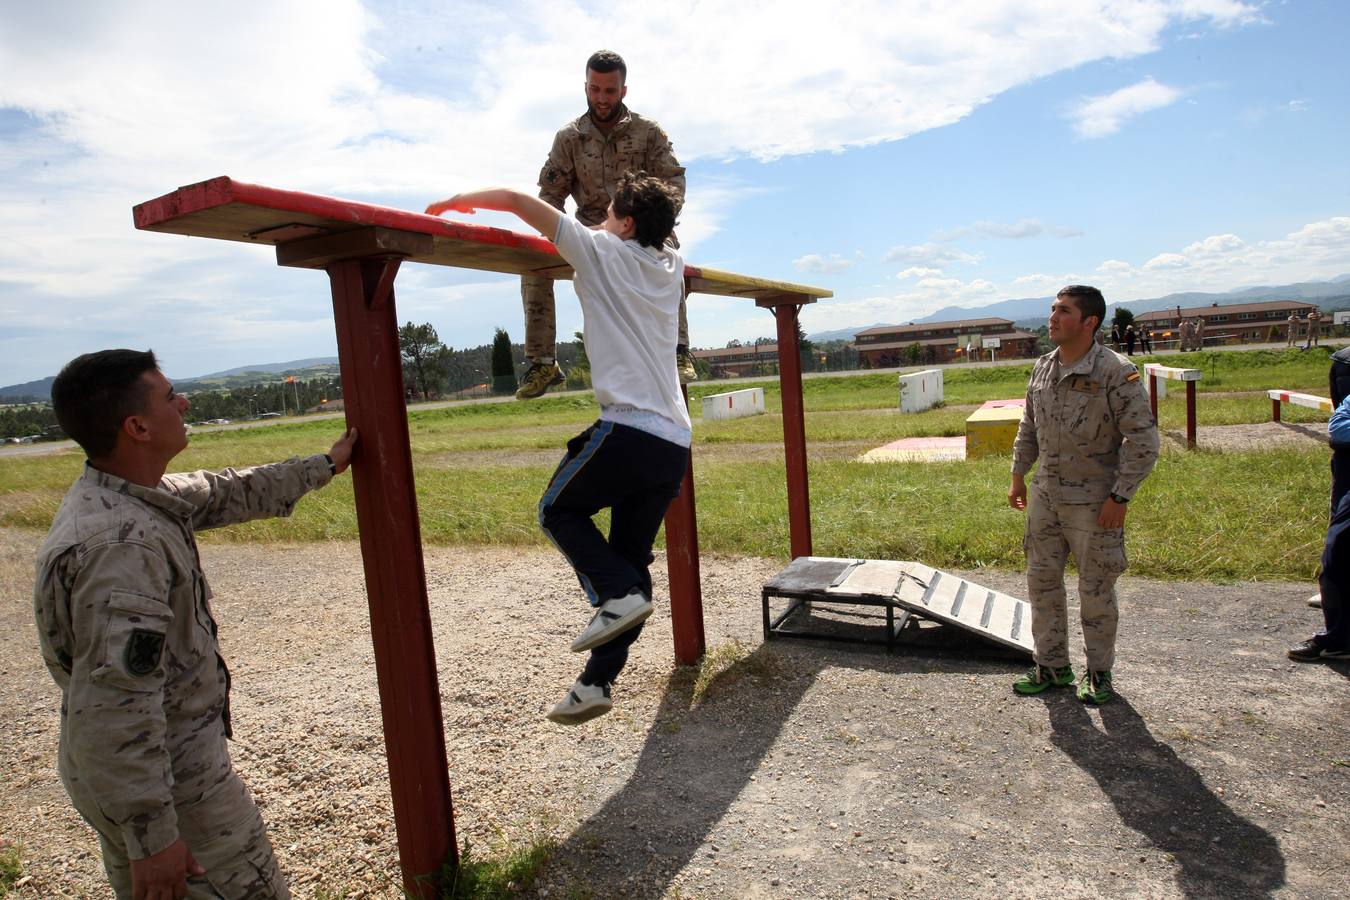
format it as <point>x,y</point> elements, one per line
<point>1275,410</point>
<point>794,430</point>
<point>391,546</point>
<point>686,595</point>
<point>1153,395</point>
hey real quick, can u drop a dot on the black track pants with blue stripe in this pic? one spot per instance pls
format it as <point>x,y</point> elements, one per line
<point>635,475</point>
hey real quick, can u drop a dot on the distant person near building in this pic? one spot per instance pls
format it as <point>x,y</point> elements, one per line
<point>1130,337</point>
<point>1115,336</point>
<point>1146,341</point>
<point>1293,329</point>
<point>1088,429</point>
<point>1314,326</point>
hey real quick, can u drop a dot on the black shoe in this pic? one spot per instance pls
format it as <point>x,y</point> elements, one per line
<point>1311,651</point>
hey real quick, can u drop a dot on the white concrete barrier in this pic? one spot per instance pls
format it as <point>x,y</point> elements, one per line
<point>920,390</point>
<point>734,404</point>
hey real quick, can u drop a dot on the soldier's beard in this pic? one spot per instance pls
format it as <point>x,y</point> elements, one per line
<point>613,113</point>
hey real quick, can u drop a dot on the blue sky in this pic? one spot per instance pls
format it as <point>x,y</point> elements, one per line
<point>906,155</point>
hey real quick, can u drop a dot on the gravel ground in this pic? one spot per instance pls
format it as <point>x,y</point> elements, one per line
<point>805,770</point>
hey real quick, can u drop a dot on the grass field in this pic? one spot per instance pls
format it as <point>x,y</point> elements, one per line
<point>480,470</point>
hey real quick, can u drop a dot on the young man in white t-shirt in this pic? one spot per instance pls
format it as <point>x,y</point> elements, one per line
<point>634,457</point>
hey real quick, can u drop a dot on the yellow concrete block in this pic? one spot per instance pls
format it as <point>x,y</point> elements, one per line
<point>990,431</point>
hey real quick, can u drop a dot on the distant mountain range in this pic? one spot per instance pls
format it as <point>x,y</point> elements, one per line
<point>1031,312</point>
<point>263,373</point>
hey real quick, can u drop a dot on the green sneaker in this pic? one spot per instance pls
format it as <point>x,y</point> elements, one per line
<point>1039,677</point>
<point>684,364</point>
<point>539,377</point>
<point>1095,687</point>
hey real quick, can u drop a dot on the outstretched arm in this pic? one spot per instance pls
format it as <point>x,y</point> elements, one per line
<point>531,210</point>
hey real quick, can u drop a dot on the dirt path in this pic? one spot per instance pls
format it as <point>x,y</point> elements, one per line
<point>806,770</point>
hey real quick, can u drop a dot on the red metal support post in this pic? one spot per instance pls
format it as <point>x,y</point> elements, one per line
<point>1190,415</point>
<point>391,546</point>
<point>686,593</point>
<point>1153,395</point>
<point>794,430</point>
<point>1275,410</point>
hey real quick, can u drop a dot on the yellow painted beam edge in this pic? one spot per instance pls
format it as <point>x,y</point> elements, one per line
<point>732,279</point>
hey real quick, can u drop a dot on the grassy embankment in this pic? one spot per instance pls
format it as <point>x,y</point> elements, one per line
<point>480,469</point>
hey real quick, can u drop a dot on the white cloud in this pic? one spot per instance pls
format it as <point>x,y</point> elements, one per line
<point>1097,117</point>
<point>832,264</point>
<point>1023,228</point>
<point>1318,250</point>
<point>930,255</point>
<point>918,272</point>
<point>402,103</point>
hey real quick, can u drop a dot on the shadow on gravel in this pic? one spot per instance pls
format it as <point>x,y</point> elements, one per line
<point>1218,853</point>
<point>700,757</point>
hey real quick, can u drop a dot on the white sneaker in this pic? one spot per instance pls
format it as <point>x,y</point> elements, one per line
<point>582,703</point>
<point>615,616</point>
<point>1315,601</point>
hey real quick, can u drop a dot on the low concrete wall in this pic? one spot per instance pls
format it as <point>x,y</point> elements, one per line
<point>734,404</point>
<point>920,390</point>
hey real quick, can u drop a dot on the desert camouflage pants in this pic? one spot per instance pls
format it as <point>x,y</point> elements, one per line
<point>225,833</point>
<point>1054,530</point>
<point>541,324</point>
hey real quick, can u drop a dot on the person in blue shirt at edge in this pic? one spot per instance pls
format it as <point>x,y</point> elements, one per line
<point>1333,641</point>
<point>634,457</point>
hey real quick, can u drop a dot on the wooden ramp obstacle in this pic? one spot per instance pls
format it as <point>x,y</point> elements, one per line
<point>897,593</point>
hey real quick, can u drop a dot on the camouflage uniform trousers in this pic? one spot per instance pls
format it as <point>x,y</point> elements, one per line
<point>222,828</point>
<point>1054,530</point>
<point>541,324</point>
<point>224,831</point>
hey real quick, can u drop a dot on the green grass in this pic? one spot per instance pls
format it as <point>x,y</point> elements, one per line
<point>506,872</point>
<point>11,866</point>
<point>1201,515</point>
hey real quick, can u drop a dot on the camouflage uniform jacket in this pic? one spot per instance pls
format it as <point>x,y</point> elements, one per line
<point>1090,426</point>
<point>126,631</point>
<point>586,164</point>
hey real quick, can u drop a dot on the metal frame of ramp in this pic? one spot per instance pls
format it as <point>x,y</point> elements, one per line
<point>904,590</point>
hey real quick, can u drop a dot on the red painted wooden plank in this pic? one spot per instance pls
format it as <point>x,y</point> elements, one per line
<point>223,190</point>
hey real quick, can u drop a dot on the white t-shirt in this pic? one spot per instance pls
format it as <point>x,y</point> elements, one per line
<point>630,301</point>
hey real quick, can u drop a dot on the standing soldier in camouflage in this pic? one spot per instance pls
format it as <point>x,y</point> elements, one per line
<point>1314,327</point>
<point>127,633</point>
<point>588,158</point>
<point>1088,423</point>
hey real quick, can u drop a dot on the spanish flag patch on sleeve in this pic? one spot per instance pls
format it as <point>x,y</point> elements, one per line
<point>1133,376</point>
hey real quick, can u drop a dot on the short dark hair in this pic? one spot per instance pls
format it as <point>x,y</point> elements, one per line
<point>96,392</point>
<point>1088,299</point>
<point>651,202</point>
<point>607,61</point>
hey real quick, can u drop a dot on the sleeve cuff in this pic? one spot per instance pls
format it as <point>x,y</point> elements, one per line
<point>146,835</point>
<point>318,470</point>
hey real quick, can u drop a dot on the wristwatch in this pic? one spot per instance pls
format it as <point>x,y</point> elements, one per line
<point>1119,499</point>
<point>332,466</point>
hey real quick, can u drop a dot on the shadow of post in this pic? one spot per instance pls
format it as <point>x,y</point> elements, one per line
<point>1217,851</point>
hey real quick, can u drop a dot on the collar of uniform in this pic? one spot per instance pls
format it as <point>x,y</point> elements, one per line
<point>154,496</point>
<point>1085,364</point>
<point>586,125</point>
